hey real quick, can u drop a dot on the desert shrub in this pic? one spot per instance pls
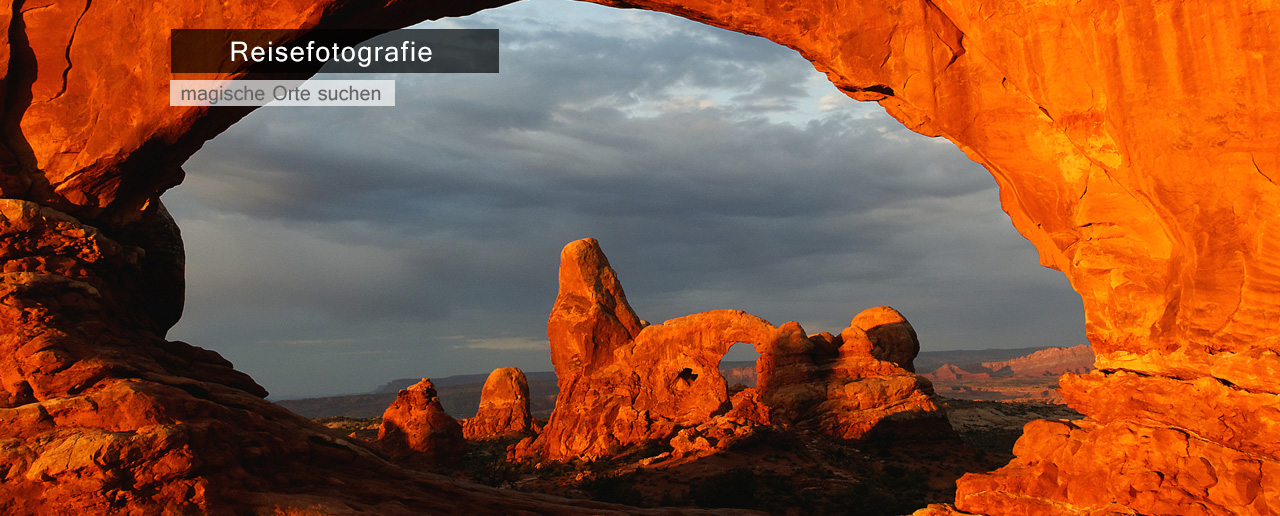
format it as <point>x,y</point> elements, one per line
<point>736,488</point>
<point>497,473</point>
<point>894,491</point>
<point>613,489</point>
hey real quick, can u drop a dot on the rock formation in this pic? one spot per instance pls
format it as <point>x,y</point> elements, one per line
<point>623,383</point>
<point>1134,144</point>
<point>504,407</point>
<point>102,415</point>
<point>416,430</point>
<point>99,414</point>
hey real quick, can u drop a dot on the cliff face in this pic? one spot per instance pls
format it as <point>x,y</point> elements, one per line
<point>1135,144</point>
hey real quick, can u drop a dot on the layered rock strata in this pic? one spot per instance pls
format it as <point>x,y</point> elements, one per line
<point>416,429</point>
<point>504,407</point>
<point>623,382</point>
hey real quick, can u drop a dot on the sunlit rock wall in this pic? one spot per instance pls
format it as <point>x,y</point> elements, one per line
<point>1135,142</point>
<point>1137,145</point>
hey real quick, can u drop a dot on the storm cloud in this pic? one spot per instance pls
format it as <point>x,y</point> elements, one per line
<point>333,249</point>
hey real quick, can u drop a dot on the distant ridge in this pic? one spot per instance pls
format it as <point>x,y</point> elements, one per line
<point>394,386</point>
<point>460,394</point>
<point>931,360</point>
<point>1048,362</point>
<point>1043,362</point>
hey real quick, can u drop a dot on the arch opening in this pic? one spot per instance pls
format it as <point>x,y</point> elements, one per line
<point>775,263</point>
<point>345,266</point>
<point>738,366</point>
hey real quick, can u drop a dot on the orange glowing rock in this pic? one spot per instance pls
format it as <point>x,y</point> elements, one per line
<point>623,383</point>
<point>504,407</point>
<point>1134,143</point>
<point>415,429</point>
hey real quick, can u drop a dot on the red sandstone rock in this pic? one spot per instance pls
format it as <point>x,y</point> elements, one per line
<point>1095,119</point>
<point>1133,142</point>
<point>415,429</point>
<point>504,407</point>
<point>103,416</point>
<point>892,337</point>
<point>622,384</point>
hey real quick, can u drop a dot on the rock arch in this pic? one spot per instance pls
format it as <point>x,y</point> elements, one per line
<point>1134,144</point>
<point>624,382</point>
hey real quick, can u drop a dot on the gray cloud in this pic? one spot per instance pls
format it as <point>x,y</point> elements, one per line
<point>332,249</point>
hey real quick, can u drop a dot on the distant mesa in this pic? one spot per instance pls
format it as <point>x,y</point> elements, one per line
<point>1046,362</point>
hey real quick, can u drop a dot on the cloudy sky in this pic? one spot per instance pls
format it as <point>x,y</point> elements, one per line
<point>330,250</point>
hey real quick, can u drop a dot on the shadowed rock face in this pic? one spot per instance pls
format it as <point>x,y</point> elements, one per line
<point>1134,143</point>
<point>504,407</point>
<point>623,384</point>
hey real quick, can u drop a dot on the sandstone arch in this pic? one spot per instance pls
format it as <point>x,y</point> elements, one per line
<point>624,383</point>
<point>1134,143</point>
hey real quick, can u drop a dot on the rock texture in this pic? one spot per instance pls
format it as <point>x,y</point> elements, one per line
<point>1134,143</point>
<point>624,383</point>
<point>504,407</point>
<point>416,430</point>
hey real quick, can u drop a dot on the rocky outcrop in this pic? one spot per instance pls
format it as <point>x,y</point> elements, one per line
<point>1046,362</point>
<point>624,383</point>
<point>504,407</point>
<point>416,430</point>
<point>1133,143</point>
